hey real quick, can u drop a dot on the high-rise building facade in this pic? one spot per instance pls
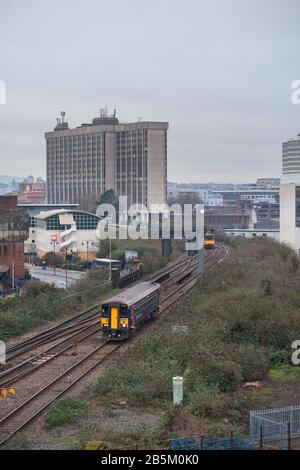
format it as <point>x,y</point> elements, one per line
<point>129,158</point>
<point>290,194</point>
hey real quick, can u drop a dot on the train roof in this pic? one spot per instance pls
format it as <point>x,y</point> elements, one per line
<point>135,293</point>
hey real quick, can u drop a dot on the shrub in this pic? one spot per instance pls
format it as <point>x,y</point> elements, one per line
<point>241,321</point>
<point>224,373</point>
<point>207,401</point>
<point>42,302</point>
<point>64,411</point>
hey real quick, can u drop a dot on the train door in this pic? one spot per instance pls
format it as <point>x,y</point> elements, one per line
<point>114,318</point>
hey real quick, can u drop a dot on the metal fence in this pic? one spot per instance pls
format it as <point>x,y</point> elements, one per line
<point>213,443</point>
<point>275,424</point>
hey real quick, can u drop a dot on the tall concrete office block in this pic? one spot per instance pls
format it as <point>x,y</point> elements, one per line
<point>129,158</point>
<point>290,194</point>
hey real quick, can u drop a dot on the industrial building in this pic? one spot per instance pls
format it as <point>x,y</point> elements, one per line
<point>33,189</point>
<point>268,183</point>
<point>14,226</point>
<point>252,195</point>
<point>224,221</point>
<point>290,194</point>
<point>130,158</point>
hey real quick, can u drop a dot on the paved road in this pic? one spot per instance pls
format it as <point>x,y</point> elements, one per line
<point>59,280</point>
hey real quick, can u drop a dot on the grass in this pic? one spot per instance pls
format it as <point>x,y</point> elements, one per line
<point>19,442</point>
<point>241,323</point>
<point>284,372</point>
<point>65,411</point>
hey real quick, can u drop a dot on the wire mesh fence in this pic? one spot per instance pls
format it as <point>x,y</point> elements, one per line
<point>214,443</point>
<point>275,424</point>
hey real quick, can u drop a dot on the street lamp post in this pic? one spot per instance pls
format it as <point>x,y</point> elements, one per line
<point>88,242</point>
<point>109,258</point>
<point>54,241</point>
<point>66,267</point>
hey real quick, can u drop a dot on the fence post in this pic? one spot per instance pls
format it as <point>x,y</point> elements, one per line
<point>289,435</point>
<point>261,437</point>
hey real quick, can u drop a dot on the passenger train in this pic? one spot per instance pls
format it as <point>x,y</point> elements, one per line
<point>209,240</point>
<point>123,314</point>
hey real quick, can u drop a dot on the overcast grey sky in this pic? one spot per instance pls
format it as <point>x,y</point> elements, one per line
<point>220,71</point>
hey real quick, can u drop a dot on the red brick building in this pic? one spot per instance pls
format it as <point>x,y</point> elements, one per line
<point>14,230</point>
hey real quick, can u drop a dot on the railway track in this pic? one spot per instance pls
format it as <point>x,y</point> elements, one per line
<point>33,406</point>
<point>72,331</point>
<point>51,332</point>
<point>76,322</point>
<point>81,332</point>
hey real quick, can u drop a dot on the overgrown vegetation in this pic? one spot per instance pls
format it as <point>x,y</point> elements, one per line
<point>149,251</point>
<point>241,322</point>
<point>18,442</point>
<point>65,411</point>
<point>40,303</point>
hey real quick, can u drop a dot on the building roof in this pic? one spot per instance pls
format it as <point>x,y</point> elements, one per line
<point>45,204</point>
<point>43,215</point>
<point>135,293</point>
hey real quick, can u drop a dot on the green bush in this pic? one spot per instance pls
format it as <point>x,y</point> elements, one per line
<point>241,321</point>
<point>42,302</point>
<point>65,411</point>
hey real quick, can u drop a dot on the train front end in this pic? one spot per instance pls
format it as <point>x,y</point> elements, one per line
<point>115,321</point>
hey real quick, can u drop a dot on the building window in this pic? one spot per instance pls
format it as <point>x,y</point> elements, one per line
<point>297,196</point>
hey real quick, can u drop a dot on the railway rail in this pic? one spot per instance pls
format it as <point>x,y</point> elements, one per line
<point>27,411</point>
<point>80,332</point>
<point>74,323</point>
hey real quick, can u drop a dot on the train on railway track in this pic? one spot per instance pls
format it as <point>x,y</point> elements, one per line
<point>209,240</point>
<point>126,312</point>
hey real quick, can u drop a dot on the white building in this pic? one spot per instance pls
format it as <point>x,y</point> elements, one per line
<point>290,194</point>
<point>208,198</point>
<point>252,233</point>
<point>67,232</point>
<point>259,197</point>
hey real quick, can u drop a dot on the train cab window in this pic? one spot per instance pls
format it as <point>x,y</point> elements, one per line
<point>123,311</point>
<point>105,311</point>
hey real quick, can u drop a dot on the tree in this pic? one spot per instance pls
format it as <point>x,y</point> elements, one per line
<point>108,197</point>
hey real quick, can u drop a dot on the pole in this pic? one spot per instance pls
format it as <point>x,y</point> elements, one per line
<point>54,271</point>
<point>66,268</point>
<point>261,437</point>
<point>13,274</point>
<point>110,258</point>
<point>289,436</point>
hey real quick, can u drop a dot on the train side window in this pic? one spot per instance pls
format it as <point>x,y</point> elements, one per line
<point>123,311</point>
<point>105,311</point>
